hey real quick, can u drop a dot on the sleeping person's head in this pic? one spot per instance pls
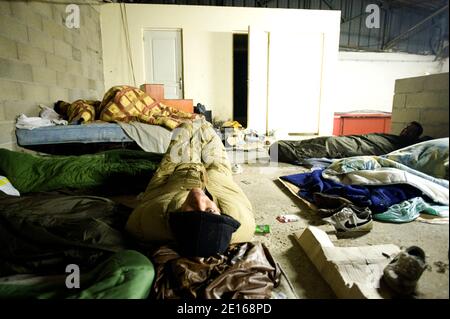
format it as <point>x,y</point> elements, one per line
<point>200,229</point>
<point>412,131</point>
<point>198,200</point>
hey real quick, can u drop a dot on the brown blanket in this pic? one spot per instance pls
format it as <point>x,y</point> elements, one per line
<point>124,104</point>
<point>245,271</point>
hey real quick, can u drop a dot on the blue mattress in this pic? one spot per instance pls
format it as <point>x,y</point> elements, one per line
<point>86,133</point>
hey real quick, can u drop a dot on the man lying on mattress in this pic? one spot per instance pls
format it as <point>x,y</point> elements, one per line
<point>124,104</point>
<point>345,146</point>
<point>192,198</point>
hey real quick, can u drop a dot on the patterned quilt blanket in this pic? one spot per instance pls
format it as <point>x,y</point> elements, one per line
<point>421,165</point>
<point>124,104</point>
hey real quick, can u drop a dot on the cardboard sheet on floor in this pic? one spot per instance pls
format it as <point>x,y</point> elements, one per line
<point>352,272</point>
<point>294,189</point>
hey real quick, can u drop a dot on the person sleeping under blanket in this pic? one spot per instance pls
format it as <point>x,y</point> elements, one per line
<point>333,147</point>
<point>192,200</point>
<point>124,104</point>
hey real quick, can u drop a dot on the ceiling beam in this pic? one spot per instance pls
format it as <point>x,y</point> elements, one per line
<point>414,28</point>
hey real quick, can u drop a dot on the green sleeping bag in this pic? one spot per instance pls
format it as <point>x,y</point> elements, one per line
<point>114,171</point>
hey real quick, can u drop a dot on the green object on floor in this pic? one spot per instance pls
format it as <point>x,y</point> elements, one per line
<point>409,210</point>
<point>115,171</point>
<point>127,274</point>
<point>262,229</point>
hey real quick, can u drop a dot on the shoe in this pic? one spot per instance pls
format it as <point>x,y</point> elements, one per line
<point>328,212</point>
<point>404,271</point>
<point>350,220</point>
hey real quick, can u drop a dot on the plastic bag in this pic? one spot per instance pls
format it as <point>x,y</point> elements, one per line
<point>7,187</point>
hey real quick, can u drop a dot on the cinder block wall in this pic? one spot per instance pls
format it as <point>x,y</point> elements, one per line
<point>423,99</point>
<point>42,61</point>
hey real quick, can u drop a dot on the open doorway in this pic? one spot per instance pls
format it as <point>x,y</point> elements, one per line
<point>240,70</point>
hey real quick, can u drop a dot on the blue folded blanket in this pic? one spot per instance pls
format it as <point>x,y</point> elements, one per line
<point>377,198</point>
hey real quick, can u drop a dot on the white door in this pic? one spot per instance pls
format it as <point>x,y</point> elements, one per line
<point>257,79</point>
<point>284,81</point>
<point>163,65</point>
<point>295,80</point>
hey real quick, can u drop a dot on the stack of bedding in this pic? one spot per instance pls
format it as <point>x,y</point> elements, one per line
<point>396,187</point>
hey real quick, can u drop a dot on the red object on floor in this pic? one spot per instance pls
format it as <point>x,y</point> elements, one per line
<point>361,123</point>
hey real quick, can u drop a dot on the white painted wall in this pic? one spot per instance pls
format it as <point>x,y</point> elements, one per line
<point>366,80</point>
<point>207,46</point>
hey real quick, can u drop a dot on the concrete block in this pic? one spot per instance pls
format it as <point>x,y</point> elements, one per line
<point>15,108</point>
<point>423,100</point>
<point>405,115</point>
<point>436,82</point>
<point>5,8</point>
<point>397,127</point>
<point>43,8</point>
<point>57,93</point>
<point>100,74</point>
<point>8,48</point>
<point>434,117</point>
<point>443,99</point>
<point>23,13</point>
<point>53,29</point>
<point>96,9</point>
<point>101,87</point>
<point>74,67</point>
<point>59,13</point>
<point>7,136</point>
<point>56,63</point>
<point>92,72</point>
<point>65,80</point>
<point>95,73</point>
<point>92,84</point>
<point>81,82</point>
<point>63,49</point>
<point>43,75</point>
<point>93,38</point>
<point>77,93</point>
<point>12,29</point>
<point>12,70</point>
<point>94,55</point>
<point>31,55</point>
<point>86,58</point>
<point>35,93</point>
<point>76,54</point>
<point>85,67</point>
<point>95,94</point>
<point>10,90</point>
<point>68,38</point>
<point>436,131</point>
<point>76,37</point>
<point>409,85</point>
<point>399,101</point>
<point>94,41</point>
<point>84,15</point>
<point>40,40</point>
<point>2,112</point>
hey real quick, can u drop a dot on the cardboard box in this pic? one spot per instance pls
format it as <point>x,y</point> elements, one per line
<point>352,272</point>
<point>156,91</point>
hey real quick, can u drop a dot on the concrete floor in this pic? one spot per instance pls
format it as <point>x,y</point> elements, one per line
<point>270,199</point>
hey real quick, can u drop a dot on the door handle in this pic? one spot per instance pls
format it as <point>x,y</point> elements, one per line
<point>181,83</point>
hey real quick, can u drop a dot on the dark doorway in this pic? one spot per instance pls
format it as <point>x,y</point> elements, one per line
<point>240,69</point>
